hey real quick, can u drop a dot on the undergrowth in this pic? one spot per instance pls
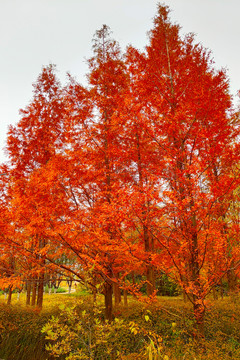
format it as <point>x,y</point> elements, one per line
<point>72,328</point>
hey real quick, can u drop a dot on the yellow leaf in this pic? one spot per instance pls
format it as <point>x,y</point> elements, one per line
<point>146,317</point>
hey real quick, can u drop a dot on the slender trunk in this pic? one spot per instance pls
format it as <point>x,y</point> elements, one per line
<point>29,288</point>
<point>94,293</point>
<point>232,285</point>
<point>40,291</point>
<point>34,292</point>
<point>42,275</point>
<point>133,282</point>
<point>199,313</point>
<point>150,280</point>
<point>117,292</point>
<point>94,289</point>
<point>148,242</point>
<point>197,299</point>
<point>9,295</point>
<point>108,291</point>
<point>69,286</point>
<point>184,296</point>
<point>149,270</point>
<point>222,289</point>
<point>215,293</point>
<point>125,293</point>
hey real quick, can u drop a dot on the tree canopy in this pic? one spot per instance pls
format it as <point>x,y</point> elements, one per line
<point>135,172</point>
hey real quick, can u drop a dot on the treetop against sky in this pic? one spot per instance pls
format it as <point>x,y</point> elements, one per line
<point>36,33</point>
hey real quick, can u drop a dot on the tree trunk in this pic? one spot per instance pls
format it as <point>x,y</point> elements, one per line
<point>197,293</point>
<point>94,288</point>
<point>40,291</point>
<point>69,286</point>
<point>149,270</point>
<point>117,292</point>
<point>150,280</point>
<point>125,297</point>
<point>9,295</point>
<point>29,288</point>
<point>215,293</point>
<point>108,290</point>
<point>34,292</point>
<point>184,296</point>
<point>222,289</point>
<point>134,283</point>
<point>199,312</point>
<point>232,285</point>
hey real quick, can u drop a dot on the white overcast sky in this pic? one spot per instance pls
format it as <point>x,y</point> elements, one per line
<point>34,33</point>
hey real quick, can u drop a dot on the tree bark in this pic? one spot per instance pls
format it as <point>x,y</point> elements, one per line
<point>184,296</point>
<point>199,313</point>
<point>108,291</point>
<point>215,293</point>
<point>9,295</point>
<point>94,289</point>
<point>29,288</point>
<point>150,280</point>
<point>40,291</point>
<point>34,292</point>
<point>125,293</point>
<point>69,286</point>
<point>117,292</point>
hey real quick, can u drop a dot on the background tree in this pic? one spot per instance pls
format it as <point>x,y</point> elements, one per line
<point>31,144</point>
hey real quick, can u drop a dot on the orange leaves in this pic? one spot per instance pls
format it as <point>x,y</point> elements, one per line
<point>138,169</point>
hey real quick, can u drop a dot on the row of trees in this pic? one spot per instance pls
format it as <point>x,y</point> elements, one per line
<point>136,172</point>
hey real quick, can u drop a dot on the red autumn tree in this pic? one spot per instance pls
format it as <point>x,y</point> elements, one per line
<point>12,261</point>
<point>93,170</point>
<point>31,144</point>
<point>186,111</point>
<point>138,169</point>
<point>69,169</point>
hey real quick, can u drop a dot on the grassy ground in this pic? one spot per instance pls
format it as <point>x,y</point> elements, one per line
<point>170,318</point>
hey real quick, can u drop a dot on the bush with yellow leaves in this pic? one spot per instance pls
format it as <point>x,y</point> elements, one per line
<point>80,333</point>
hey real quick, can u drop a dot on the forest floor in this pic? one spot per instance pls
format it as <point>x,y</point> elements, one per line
<point>163,330</point>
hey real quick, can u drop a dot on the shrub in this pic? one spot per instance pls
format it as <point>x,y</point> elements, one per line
<point>61,290</point>
<point>80,333</point>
